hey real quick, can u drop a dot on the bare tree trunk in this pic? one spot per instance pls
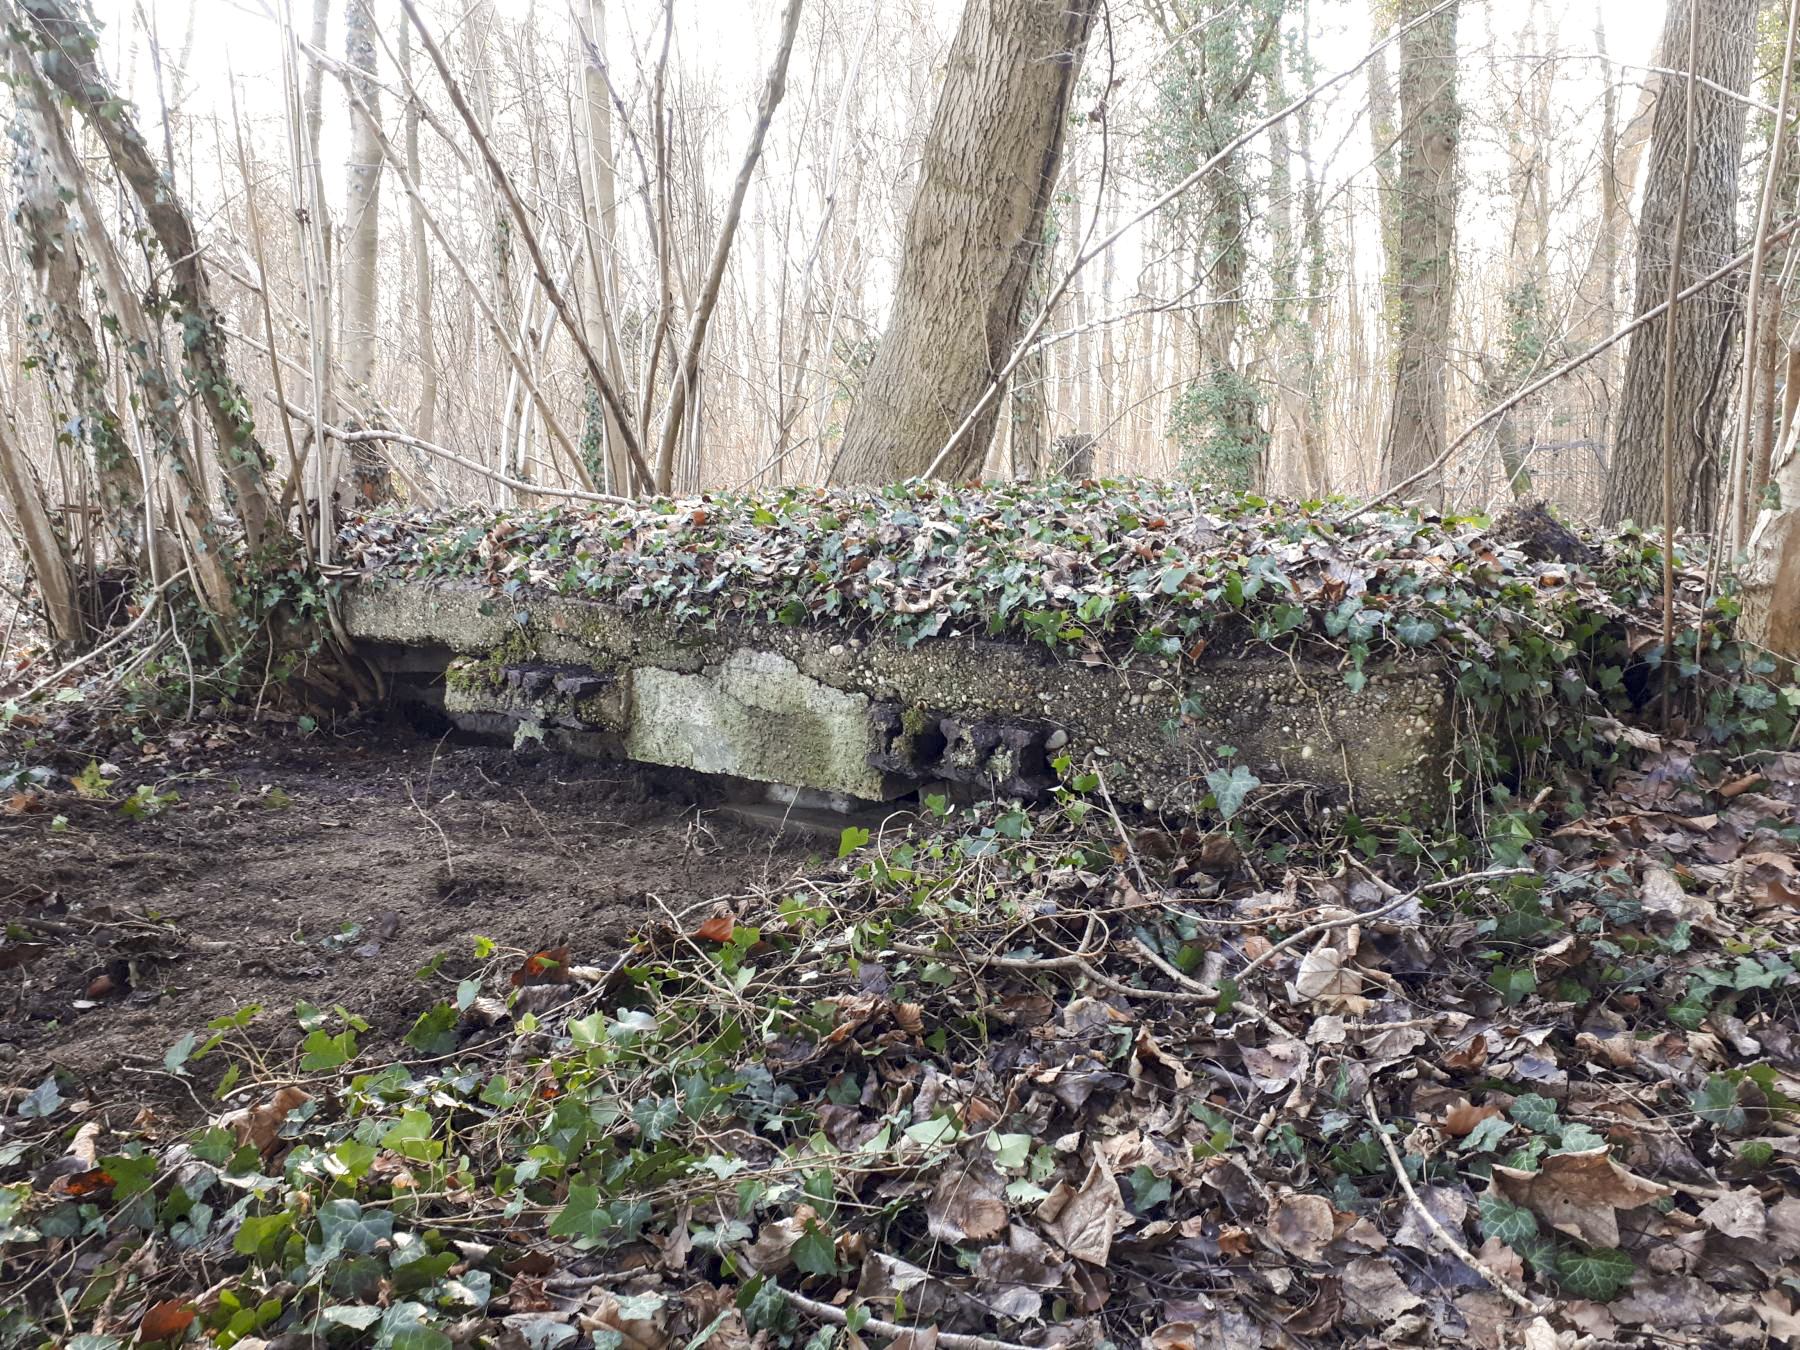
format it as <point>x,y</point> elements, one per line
<point>371,481</point>
<point>362,207</point>
<point>1424,267</point>
<point>684,384</point>
<point>426,421</point>
<point>601,237</point>
<point>1769,579</point>
<point>241,456</point>
<point>1704,327</point>
<point>20,489</point>
<point>55,252</point>
<point>972,235</point>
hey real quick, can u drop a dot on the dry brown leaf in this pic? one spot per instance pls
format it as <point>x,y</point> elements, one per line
<point>1579,1193</point>
<point>260,1126</point>
<point>1462,1118</point>
<point>1323,1313</point>
<point>1303,1224</point>
<point>636,1333</point>
<point>1083,1222</point>
<point>716,929</point>
<point>1176,1336</point>
<point>1154,1062</point>
<point>166,1321</point>
<point>1738,1214</point>
<point>968,1203</point>
<point>1449,1207</point>
<point>1275,1066</point>
<point>1374,1293</point>
<point>772,1252</point>
<point>550,966</point>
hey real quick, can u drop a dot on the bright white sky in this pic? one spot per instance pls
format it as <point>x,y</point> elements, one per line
<point>723,45</point>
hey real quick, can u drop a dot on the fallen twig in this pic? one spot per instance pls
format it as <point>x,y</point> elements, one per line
<point>1505,1286</point>
<point>949,1340</point>
<point>1346,920</point>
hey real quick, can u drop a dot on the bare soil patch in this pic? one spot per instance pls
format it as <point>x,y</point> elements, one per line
<point>328,871</point>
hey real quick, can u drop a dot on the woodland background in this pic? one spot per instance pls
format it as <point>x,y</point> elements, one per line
<point>431,246</point>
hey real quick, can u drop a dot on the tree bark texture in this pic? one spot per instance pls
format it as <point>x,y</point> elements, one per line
<point>370,480</point>
<point>972,235</point>
<point>602,274</point>
<point>1705,327</point>
<point>20,490</point>
<point>1423,265</point>
<point>76,74</point>
<point>64,343</point>
<point>1769,579</point>
<point>362,205</point>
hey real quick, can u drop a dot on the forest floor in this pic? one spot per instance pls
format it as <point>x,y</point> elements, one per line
<point>426,1046</point>
<point>268,870</point>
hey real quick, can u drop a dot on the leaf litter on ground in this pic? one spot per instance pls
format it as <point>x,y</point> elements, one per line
<point>1204,1084</point>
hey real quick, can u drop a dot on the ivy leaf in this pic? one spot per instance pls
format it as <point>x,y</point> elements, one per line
<point>320,1051</point>
<point>1413,630</point>
<point>1536,1113</point>
<point>1599,1274</point>
<point>1230,789</point>
<point>1717,1104</point>
<point>43,1100</point>
<point>583,1216</point>
<point>815,1253</point>
<point>131,1175</point>
<point>256,1233</point>
<point>435,1031</point>
<point>1486,1135</point>
<point>1578,1138</point>
<point>1149,1190</point>
<point>177,1054</point>
<point>654,1116</point>
<point>1506,1222</point>
<point>351,1228</point>
<point>853,838</point>
<point>1513,982</point>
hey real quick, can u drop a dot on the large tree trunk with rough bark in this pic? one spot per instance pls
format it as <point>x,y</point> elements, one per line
<point>1423,264</point>
<point>972,235</point>
<point>1705,326</point>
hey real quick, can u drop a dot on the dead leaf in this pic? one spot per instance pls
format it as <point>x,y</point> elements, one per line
<point>1448,1206</point>
<point>1661,893</point>
<point>1303,1225</point>
<point>1274,1067</point>
<point>1460,1119</point>
<point>716,929</point>
<point>636,1333</point>
<point>1323,1313</point>
<point>166,1321</point>
<point>1738,1214</point>
<point>260,1126</point>
<point>1374,1293</point>
<point>1579,1193</point>
<point>550,966</point>
<point>968,1203</point>
<point>1084,1222</point>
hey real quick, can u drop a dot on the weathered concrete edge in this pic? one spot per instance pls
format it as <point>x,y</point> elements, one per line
<point>1292,722</point>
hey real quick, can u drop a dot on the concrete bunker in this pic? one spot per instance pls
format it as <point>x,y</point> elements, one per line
<point>841,719</point>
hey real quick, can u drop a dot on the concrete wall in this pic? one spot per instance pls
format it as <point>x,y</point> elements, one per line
<point>869,718</point>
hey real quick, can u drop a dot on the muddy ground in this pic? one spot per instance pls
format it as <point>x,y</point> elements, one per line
<point>327,869</point>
